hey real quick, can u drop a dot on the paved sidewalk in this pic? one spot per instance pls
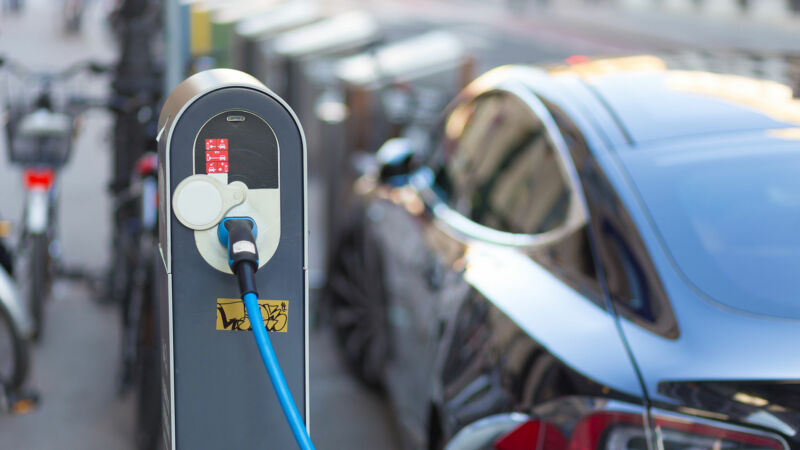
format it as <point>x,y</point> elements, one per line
<point>344,415</point>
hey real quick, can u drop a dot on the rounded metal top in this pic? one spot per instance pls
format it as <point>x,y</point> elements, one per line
<point>203,82</point>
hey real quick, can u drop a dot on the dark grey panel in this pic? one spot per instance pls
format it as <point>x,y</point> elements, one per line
<point>223,396</point>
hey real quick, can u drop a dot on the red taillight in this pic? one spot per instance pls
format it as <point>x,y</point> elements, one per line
<point>38,179</point>
<point>533,435</point>
<point>608,430</point>
<point>591,431</point>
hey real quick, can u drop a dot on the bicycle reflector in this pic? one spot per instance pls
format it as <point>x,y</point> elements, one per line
<point>38,178</point>
<point>147,164</point>
<point>625,431</point>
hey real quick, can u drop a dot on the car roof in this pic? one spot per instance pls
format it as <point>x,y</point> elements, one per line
<point>656,98</point>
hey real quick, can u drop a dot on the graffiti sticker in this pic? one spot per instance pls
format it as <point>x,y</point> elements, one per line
<point>231,315</point>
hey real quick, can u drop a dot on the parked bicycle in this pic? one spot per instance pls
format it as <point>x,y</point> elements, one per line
<point>141,357</point>
<point>15,325</point>
<point>137,87</point>
<point>40,128</point>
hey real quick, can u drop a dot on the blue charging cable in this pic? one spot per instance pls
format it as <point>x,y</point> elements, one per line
<point>275,373</point>
<point>237,235</point>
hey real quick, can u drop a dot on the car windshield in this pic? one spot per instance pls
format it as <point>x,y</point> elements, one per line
<point>730,219</point>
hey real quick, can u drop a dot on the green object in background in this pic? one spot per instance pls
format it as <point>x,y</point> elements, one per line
<point>223,25</point>
<point>221,38</point>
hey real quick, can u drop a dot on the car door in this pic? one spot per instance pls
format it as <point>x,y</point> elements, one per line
<point>487,152</point>
<point>495,183</point>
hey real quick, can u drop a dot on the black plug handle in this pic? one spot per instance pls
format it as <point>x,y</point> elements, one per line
<point>243,254</point>
<point>246,276</point>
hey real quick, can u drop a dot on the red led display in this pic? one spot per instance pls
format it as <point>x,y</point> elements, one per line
<point>216,156</point>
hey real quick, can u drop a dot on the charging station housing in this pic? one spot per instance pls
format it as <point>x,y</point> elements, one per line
<point>215,392</point>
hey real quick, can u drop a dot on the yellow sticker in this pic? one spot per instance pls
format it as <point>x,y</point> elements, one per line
<point>231,315</point>
<point>5,228</point>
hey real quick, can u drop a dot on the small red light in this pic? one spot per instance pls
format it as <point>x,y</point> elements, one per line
<point>577,59</point>
<point>147,164</point>
<point>38,179</point>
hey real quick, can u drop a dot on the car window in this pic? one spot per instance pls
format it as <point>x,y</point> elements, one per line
<point>631,278</point>
<point>499,167</point>
<point>495,163</point>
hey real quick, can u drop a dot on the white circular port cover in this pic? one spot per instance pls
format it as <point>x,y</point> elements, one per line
<point>200,201</point>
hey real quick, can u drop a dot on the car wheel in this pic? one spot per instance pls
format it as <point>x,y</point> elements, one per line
<point>357,299</point>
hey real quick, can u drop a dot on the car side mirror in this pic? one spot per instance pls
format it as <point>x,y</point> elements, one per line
<point>395,158</point>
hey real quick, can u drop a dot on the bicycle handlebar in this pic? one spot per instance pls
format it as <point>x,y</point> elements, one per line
<point>81,103</point>
<point>94,67</point>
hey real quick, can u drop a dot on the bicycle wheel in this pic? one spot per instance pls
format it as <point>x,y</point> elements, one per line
<point>39,279</point>
<point>13,353</point>
<point>148,398</point>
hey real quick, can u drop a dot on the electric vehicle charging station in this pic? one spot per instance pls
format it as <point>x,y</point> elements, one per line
<point>252,34</point>
<point>320,44</point>
<point>434,65</point>
<point>223,23</point>
<point>232,160</point>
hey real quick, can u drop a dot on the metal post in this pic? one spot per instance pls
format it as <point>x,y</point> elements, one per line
<point>176,40</point>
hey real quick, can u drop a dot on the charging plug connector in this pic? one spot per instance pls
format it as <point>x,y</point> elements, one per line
<point>238,234</point>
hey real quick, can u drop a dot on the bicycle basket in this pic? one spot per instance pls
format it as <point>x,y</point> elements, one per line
<point>40,138</point>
